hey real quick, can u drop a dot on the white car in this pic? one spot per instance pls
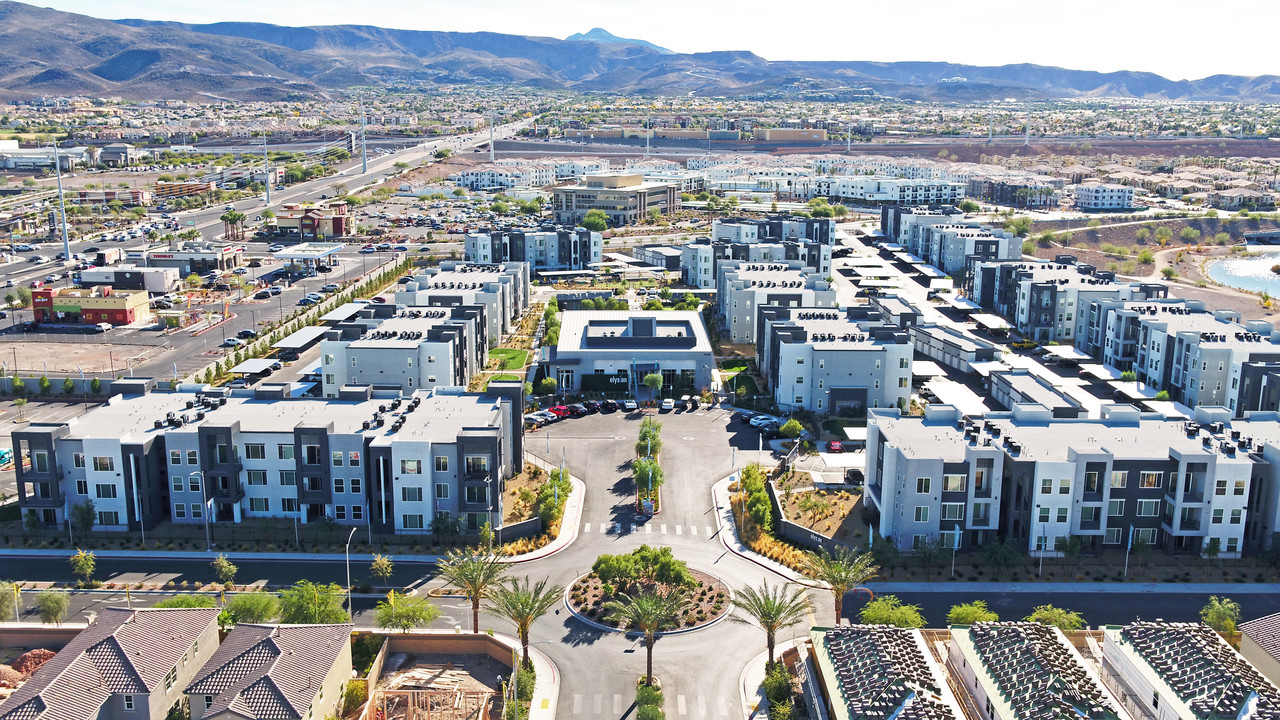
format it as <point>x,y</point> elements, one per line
<point>629,405</point>
<point>759,420</point>
<point>668,405</point>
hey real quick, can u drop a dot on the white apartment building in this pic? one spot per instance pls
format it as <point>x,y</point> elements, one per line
<point>875,189</point>
<point>778,238</point>
<point>1103,196</point>
<point>501,288</point>
<point>499,176</point>
<point>745,287</point>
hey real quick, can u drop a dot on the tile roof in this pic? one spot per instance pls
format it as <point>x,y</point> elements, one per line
<point>270,672</point>
<point>1266,632</point>
<point>123,651</point>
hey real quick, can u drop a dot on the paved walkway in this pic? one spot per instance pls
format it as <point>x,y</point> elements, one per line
<point>728,532</point>
<point>754,703</point>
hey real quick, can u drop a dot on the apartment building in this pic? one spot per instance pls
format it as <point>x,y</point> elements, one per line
<point>894,218</point>
<point>1041,482</point>
<point>544,248</point>
<point>609,351</point>
<point>744,287</point>
<point>877,671</point>
<point>956,247</point>
<point>1103,196</point>
<point>1048,301</point>
<point>833,362</point>
<point>405,349</point>
<point>501,288</point>
<point>625,198</point>
<point>880,190</point>
<point>1166,671</point>
<point>127,665</point>
<point>956,348</point>
<point>1112,326</point>
<point>392,462</point>
<point>502,176</point>
<point>776,238</point>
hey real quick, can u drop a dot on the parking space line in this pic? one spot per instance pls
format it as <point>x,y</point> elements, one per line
<point>710,532</point>
<point>664,529</point>
<point>680,706</point>
<point>586,527</point>
<point>679,530</point>
<point>617,704</point>
<point>693,530</point>
<point>648,529</point>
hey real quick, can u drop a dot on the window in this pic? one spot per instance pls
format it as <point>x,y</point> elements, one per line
<point>477,495</point>
<point>442,463</point>
<point>353,459</point>
<point>128,702</point>
<point>339,512</point>
<point>1112,537</point>
<point>193,482</point>
<point>411,467</point>
<point>1217,516</point>
<point>105,491</point>
<point>411,522</point>
<point>949,540</point>
<point>82,487</point>
<point>1119,478</point>
<point>922,486</point>
<point>1044,515</point>
<point>952,511</point>
<point>357,512</point>
<point>799,380</point>
<point>197,511</point>
<point>1146,536</point>
<point>1148,508</point>
<point>176,483</point>
<point>102,463</point>
<point>355,486</point>
<point>288,477</point>
<point>1115,508</point>
<point>1062,515</point>
<point>442,491</point>
<point>77,460</point>
<point>208,701</point>
<point>1239,488</point>
<point>411,494</point>
<point>170,679</point>
<point>192,458</point>
<point>1064,486</point>
<point>336,458</point>
<point>1233,544</point>
<point>175,457</point>
<point>1089,513</point>
<point>1091,482</point>
<point>179,511</point>
<point>311,454</point>
<point>1151,480</point>
<point>40,460</point>
<point>1237,516</point>
<point>1046,486</point>
<point>1220,487</point>
<point>476,464</point>
<point>904,363</point>
<point>255,451</point>
<point>954,483</point>
<point>922,513</point>
<point>259,504</point>
<point>257,477</point>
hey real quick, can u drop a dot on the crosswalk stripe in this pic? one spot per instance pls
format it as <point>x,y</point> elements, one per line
<point>648,529</point>
<point>664,529</point>
<point>722,704</point>
<point>702,706</point>
<point>617,704</point>
<point>679,530</point>
<point>680,707</point>
<point>577,703</point>
<point>710,532</point>
<point>693,530</point>
<point>598,705</point>
<point>586,527</point>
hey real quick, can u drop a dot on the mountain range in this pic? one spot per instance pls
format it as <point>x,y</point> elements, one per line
<point>46,52</point>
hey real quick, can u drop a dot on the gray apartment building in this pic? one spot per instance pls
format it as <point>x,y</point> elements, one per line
<point>503,290</point>
<point>775,239</point>
<point>547,247</point>
<point>744,287</point>
<point>941,236</point>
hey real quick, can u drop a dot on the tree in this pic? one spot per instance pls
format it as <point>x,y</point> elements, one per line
<point>1163,235</point>
<point>442,153</point>
<point>523,603</point>
<point>8,601</point>
<point>474,575</point>
<point>1169,273</point>
<point>253,607</point>
<point>842,571</point>
<point>653,381</point>
<point>83,516</point>
<point>17,386</point>
<point>193,281</point>
<point>95,386</point>
<point>969,206</point>
<point>1162,396</point>
<point>647,473</point>
<point>649,613</point>
<point>308,603</point>
<point>21,403</point>
<point>773,608</point>
<point>1000,555</point>
<point>68,386</point>
<point>186,601</point>
<point>1060,618</point>
<point>224,569</point>
<point>45,385</point>
<point>970,613</point>
<point>889,610</point>
<point>595,221</point>
<point>404,612</point>
<point>51,605</point>
<point>791,429</point>
<point>1221,614</point>
<point>382,567</point>
<point>548,386</point>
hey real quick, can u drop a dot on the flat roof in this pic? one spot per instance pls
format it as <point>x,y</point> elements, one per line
<point>927,368</point>
<point>1067,352</point>
<point>990,321</point>
<point>1102,372</point>
<point>308,251</point>
<point>955,394</point>
<point>578,326</point>
<point>254,366</point>
<point>343,312</point>
<point>302,339</point>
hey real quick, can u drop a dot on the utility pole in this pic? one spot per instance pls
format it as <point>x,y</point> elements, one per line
<point>991,125</point>
<point>648,132</point>
<point>492,118</point>
<point>364,152</point>
<point>62,208</point>
<point>266,166</point>
<point>848,139</point>
<point>1027,137</point>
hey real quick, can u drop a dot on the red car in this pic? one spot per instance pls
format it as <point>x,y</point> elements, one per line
<point>560,411</point>
<point>835,446</point>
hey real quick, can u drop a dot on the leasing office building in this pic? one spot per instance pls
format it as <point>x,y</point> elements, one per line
<point>605,351</point>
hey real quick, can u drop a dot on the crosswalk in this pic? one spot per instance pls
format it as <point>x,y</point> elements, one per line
<point>612,706</point>
<point>649,528</point>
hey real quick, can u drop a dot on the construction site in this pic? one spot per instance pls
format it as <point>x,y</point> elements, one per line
<point>421,677</point>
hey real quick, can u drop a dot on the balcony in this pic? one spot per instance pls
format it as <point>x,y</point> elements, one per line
<point>44,495</point>
<point>225,488</point>
<point>313,490</point>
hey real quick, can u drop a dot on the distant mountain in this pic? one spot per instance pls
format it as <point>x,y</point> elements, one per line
<point>47,52</point>
<point>601,35</point>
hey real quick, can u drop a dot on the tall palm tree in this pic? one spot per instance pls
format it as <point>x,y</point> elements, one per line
<point>650,613</point>
<point>772,608</point>
<point>522,604</point>
<point>474,574</point>
<point>842,571</point>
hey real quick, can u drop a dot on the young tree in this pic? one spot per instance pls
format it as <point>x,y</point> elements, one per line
<point>970,613</point>
<point>1058,617</point>
<point>523,603</point>
<point>548,386</point>
<point>186,601</point>
<point>308,603</point>
<point>1221,614</point>
<point>381,568</point>
<point>595,221</point>
<point>773,608</point>
<point>889,610</point>
<point>84,516</point>
<point>647,473</point>
<point>253,607</point>
<point>653,381</point>
<point>649,613</point>
<point>1000,556</point>
<point>68,387</point>
<point>791,429</point>
<point>8,601</point>
<point>405,613</point>
<point>842,571</point>
<point>46,386</point>
<point>52,605</point>
<point>474,574</point>
<point>224,569</point>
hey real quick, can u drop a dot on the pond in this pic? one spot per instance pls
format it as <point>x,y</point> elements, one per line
<point>1249,273</point>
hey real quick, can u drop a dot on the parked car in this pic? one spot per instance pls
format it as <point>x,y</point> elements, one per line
<point>306,301</point>
<point>835,447</point>
<point>262,295</point>
<point>323,269</point>
<point>275,290</point>
<point>667,405</point>
<point>102,327</point>
<point>693,401</point>
<point>232,342</point>
<point>577,410</point>
<point>630,405</point>
<point>591,406</point>
<point>247,334</point>
<point>241,271</point>
<point>276,248</point>
<point>238,383</point>
<point>378,299</point>
<point>758,420</point>
<point>288,355</point>
<point>560,411</point>
<point>331,287</point>
<point>609,405</point>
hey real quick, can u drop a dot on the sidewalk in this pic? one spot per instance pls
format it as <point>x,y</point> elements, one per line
<point>728,532</point>
<point>754,704</point>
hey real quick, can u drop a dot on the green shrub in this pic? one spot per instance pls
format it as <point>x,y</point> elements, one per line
<point>649,712</point>
<point>777,684</point>
<point>781,711</point>
<point>354,695</point>
<point>648,695</point>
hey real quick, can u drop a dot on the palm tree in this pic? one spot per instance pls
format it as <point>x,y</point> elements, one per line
<point>772,608</point>
<point>650,613</point>
<point>523,604</point>
<point>473,574</point>
<point>842,571</point>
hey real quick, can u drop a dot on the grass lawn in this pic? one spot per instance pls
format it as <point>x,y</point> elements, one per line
<point>509,358</point>
<point>834,426</point>
<point>736,365</point>
<point>744,381</point>
<point>504,378</point>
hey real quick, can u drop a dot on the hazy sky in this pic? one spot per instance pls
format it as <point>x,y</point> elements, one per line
<point>1179,39</point>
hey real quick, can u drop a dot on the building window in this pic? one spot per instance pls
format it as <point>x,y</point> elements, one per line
<point>355,486</point>
<point>1064,486</point>
<point>208,701</point>
<point>175,457</point>
<point>1220,487</point>
<point>476,464</point>
<point>1112,537</point>
<point>179,511</point>
<point>1150,480</point>
<point>411,467</point>
<point>197,511</point>
<point>1089,513</point>
<point>176,483</point>
<point>442,491</point>
<point>1148,508</point>
<point>255,451</point>
<point>1119,478</point>
<point>952,511</point>
<point>103,463</point>
<point>442,463</point>
<point>257,477</point>
<point>288,477</point>
<point>82,487</point>
<point>170,678</point>
<point>357,512</point>
<point>477,495</point>
<point>193,483</point>
<point>259,504</point>
<point>411,494</point>
<point>1146,536</point>
<point>311,454</point>
<point>339,512</point>
<point>1217,516</point>
<point>1239,489</point>
<point>284,452</point>
<point>1091,482</point>
<point>954,483</point>
<point>411,522</point>
<point>1062,515</point>
<point>289,505</point>
<point>922,486</point>
<point>105,491</point>
<point>128,702</point>
<point>1115,508</point>
<point>1233,545</point>
<point>77,460</point>
<point>336,457</point>
<point>353,459</point>
<point>1237,516</point>
<point>1044,515</point>
<point>192,459</point>
<point>1046,486</point>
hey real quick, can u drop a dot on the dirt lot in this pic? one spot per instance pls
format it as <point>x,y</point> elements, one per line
<point>32,356</point>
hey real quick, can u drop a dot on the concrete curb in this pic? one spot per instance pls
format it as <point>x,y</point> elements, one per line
<point>753,674</point>
<point>724,517</point>
<point>568,532</point>
<point>600,626</point>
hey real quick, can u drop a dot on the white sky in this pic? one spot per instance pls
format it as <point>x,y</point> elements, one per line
<point>1179,39</point>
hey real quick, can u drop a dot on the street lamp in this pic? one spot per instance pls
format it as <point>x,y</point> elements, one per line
<point>353,533</point>
<point>204,502</point>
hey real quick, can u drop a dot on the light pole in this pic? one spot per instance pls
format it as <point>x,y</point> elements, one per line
<point>353,534</point>
<point>62,203</point>
<point>204,502</point>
